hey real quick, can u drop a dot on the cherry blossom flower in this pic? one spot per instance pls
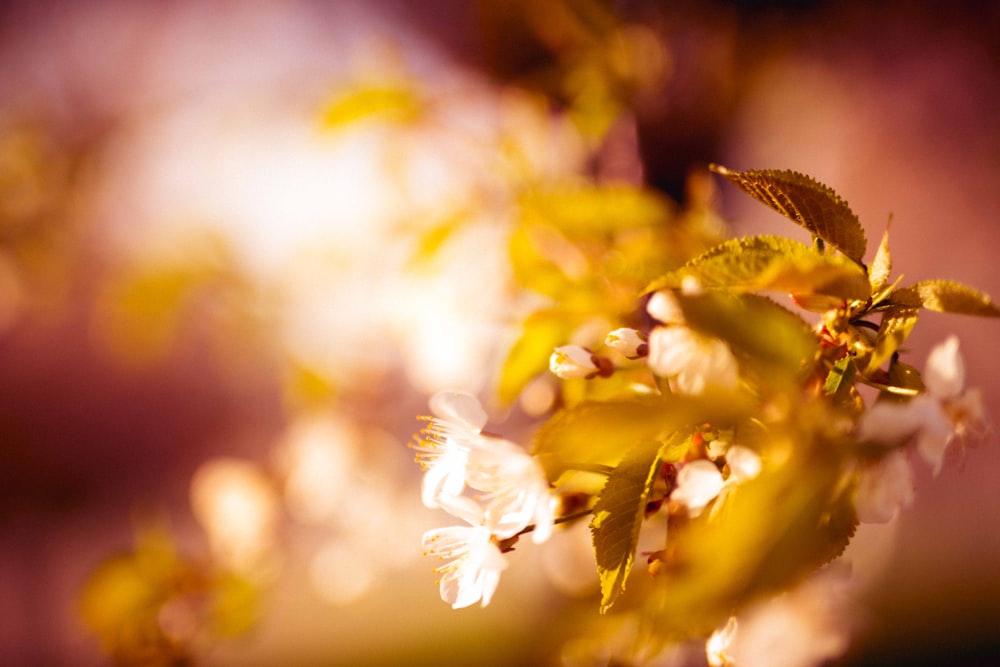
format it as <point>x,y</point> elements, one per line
<point>516,491</point>
<point>473,573</point>
<point>572,361</point>
<point>445,444</point>
<point>935,417</point>
<point>700,482</point>
<point>456,454</point>
<point>692,362</point>
<point>804,627</point>
<point>884,487</point>
<point>717,646</point>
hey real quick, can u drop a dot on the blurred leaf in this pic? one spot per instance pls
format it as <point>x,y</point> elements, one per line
<point>430,242</point>
<point>945,296</point>
<point>595,209</point>
<point>897,323</point>
<point>618,515</point>
<point>122,596</point>
<point>235,602</point>
<point>394,102</point>
<point>767,338</point>
<point>601,432</point>
<point>806,202</point>
<point>771,263</point>
<point>788,521</point>
<point>544,331</point>
<point>542,270</point>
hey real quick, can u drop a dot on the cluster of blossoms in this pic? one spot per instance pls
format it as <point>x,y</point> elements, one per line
<point>728,412</point>
<point>492,484</point>
<point>690,361</point>
<point>930,420</point>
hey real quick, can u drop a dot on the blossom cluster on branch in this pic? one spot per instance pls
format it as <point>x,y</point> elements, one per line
<point>735,424</point>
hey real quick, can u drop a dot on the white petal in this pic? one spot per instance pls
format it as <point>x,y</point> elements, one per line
<point>459,407</point>
<point>884,487</point>
<point>743,463</point>
<point>892,423</point>
<point>446,477</point>
<point>934,437</point>
<point>698,483</point>
<point>944,374</point>
<point>572,361</point>
<point>463,508</point>
<point>625,341</point>
<point>717,646</point>
<point>693,362</point>
<point>664,307</point>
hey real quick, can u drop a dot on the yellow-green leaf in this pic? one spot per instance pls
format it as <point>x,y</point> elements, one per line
<point>392,102</point>
<point>771,263</point>
<point>589,209</point>
<point>618,517</point>
<point>544,330</point>
<point>841,376</point>
<point>544,261</point>
<point>881,266</point>
<point>945,296</point>
<point>897,323</point>
<point>806,202</point>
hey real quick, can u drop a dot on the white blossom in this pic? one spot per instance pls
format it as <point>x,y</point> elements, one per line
<point>628,342</point>
<point>572,361</point>
<point>445,444</point>
<point>884,487</point>
<point>700,482</point>
<point>935,417</point>
<point>691,361</point>
<point>455,455</point>
<point>717,646</point>
<point>804,627</point>
<point>476,562</point>
<point>516,491</point>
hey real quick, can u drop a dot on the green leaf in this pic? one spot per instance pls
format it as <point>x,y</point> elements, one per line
<point>618,515</point>
<point>771,263</point>
<point>544,330</point>
<point>841,376</point>
<point>897,323</point>
<point>589,209</point>
<point>945,296</point>
<point>806,202</point>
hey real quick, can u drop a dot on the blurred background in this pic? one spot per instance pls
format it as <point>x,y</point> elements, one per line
<point>242,242</point>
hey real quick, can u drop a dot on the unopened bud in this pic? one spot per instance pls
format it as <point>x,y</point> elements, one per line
<point>628,342</point>
<point>572,361</point>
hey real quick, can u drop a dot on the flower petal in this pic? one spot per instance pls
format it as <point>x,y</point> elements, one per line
<point>884,487</point>
<point>698,483</point>
<point>459,407</point>
<point>944,374</point>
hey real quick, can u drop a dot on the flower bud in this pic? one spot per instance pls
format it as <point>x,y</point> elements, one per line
<point>628,342</point>
<point>572,361</point>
